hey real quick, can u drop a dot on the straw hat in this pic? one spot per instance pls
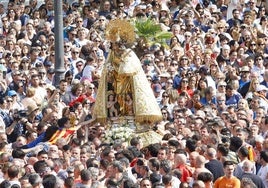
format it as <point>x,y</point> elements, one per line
<point>31,108</point>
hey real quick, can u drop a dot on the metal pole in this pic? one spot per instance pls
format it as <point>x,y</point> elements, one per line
<point>59,51</point>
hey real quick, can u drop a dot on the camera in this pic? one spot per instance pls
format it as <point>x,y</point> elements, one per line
<point>19,115</point>
<point>72,109</point>
<point>147,62</point>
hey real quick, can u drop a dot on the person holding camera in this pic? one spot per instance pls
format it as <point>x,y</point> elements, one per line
<point>22,122</point>
<point>18,126</point>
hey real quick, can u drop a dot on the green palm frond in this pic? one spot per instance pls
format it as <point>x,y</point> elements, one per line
<point>147,27</point>
<point>163,35</point>
<point>151,31</point>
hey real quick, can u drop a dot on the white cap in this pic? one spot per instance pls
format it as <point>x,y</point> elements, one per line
<point>226,47</point>
<point>262,88</point>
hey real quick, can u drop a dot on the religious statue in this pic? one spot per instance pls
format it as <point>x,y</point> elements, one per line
<point>123,76</point>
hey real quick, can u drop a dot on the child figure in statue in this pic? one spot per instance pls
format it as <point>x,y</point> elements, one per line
<point>129,104</point>
<point>111,106</point>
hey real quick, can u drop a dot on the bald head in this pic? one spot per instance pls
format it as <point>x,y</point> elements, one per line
<point>200,161</point>
<point>211,153</point>
<point>199,184</point>
<point>180,159</point>
<point>247,166</point>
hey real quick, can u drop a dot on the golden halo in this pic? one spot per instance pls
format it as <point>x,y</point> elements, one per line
<point>120,31</point>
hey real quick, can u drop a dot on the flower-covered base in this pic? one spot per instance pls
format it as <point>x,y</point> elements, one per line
<point>122,129</point>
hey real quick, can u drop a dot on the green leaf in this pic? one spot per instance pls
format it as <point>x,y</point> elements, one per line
<point>150,31</point>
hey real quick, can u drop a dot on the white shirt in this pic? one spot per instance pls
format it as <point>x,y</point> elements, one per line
<point>263,174</point>
<point>87,72</point>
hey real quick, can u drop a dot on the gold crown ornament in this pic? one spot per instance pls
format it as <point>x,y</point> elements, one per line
<point>120,30</point>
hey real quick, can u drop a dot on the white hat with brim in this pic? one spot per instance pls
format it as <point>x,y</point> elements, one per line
<point>262,88</point>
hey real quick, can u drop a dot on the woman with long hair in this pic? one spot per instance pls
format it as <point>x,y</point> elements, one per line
<point>254,83</point>
<point>174,41</point>
<point>214,69</point>
<point>173,96</point>
<point>201,86</point>
<point>165,102</point>
<point>243,104</point>
<point>184,87</point>
<point>166,119</point>
<point>25,50</point>
<point>252,48</point>
<point>11,15</point>
<point>192,82</point>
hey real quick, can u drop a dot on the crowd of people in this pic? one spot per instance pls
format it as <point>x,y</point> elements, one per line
<point>210,80</point>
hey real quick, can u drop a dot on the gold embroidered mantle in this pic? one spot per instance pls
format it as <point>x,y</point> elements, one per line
<point>129,77</point>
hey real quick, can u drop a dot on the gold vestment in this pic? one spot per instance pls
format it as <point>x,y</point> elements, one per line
<point>127,77</point>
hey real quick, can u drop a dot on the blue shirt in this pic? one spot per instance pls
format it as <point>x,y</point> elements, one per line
<point>205,102</point>
<point>233,100</point>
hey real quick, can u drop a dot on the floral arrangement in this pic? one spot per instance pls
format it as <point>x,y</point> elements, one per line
<point>121,133</point>
<point>124,128</point>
